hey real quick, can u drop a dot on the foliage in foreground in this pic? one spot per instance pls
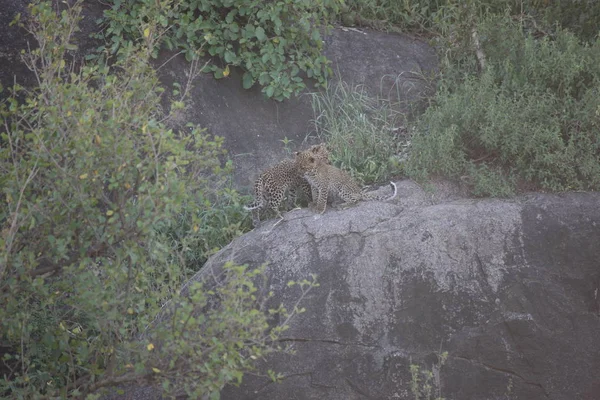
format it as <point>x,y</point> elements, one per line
<point>273,42</point>
<point>93,244</point>
<point>532,117</point>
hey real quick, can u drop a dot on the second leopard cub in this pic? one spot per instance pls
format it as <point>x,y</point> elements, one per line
<point>285,177</point>
<point>325,179</point>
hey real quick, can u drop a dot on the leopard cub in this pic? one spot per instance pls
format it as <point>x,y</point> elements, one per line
<point>270,188</point>
<point>325,179</point>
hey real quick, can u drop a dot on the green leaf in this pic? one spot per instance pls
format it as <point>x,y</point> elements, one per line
<point>269,91</point>
<point>247,80</point>
<point>260,34</point>
<point>230,16</point>
<point>229,57</point>
<point>316,36</point>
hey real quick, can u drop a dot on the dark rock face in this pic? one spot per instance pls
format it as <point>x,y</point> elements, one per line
<point>12,41</point>
<point>508,288</point>
<point>393,66</point>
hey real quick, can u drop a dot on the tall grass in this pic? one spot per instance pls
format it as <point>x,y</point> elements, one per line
<point>364,133</point>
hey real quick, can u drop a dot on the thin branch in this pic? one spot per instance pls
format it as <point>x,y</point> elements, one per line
<point>478,50</point>
<point>14,226</point>
<point>295,309</point>
<point>169,60</point>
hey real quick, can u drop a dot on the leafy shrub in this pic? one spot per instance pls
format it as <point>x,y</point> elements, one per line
<point>360,131</point>
<point>273,42</point>
<point>210,336</point>
<point>103,217</point>
<point>531,117</point>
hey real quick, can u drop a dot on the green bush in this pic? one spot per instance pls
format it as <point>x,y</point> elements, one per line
<point>273,42</point>
<point>449,17</point>
<point>361,132</point>
<point>531,117</point>
<point>105,214</point>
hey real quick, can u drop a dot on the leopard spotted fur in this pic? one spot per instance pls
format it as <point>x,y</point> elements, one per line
<point>271,187</point>
<point>325,179</point>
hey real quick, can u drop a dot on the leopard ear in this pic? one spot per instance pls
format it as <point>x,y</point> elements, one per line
<point>297,153</point>
<point>323,146</point>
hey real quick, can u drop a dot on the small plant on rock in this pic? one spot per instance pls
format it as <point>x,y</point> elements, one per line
<point>425,384</point>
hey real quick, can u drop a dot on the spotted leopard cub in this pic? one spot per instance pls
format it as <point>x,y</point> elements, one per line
<point>325,179</point>
<point>270,188</point>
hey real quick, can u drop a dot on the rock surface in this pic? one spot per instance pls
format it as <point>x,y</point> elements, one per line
<point>510,289</point>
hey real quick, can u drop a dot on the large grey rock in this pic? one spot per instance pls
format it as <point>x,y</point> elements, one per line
<point>508,288</point>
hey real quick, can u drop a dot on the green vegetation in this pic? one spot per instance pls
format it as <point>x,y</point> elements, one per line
<point>105,214</point>
<point>530,118</point>
<point>425,384</point>
<point>441,17</point>
<point>467,134</point>
<point>516,106</point>
<point>360,132</point>
<point>273,42</point>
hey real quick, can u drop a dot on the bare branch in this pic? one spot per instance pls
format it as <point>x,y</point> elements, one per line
<point>15,217</point>
<point>478,50</point>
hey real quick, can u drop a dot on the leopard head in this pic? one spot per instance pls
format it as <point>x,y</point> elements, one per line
<point>311,158</point>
